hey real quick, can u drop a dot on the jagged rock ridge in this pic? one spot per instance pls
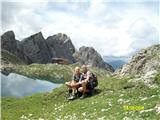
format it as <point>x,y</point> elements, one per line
<point>89,56</point>
<point>37,49</point>
<point>144,61</point>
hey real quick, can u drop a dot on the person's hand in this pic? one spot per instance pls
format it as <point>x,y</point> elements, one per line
<point>71,84</point>
<point>80,82</point>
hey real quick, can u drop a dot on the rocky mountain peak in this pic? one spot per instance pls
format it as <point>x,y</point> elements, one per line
<point>9,34</point>
<point>63,45</point>
<point>144,61</point>
<point>36,49</point>
<point>89,56</point>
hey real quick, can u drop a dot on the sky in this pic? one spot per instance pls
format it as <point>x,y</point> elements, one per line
<point>112,27</point>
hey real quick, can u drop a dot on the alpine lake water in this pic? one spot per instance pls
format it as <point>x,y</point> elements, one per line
<point>15,85</point>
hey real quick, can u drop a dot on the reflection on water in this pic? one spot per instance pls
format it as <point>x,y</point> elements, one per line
<point>18,85</point>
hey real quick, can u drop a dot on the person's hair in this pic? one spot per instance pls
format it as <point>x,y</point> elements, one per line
<point>76,68</point>
<point>84,66</point>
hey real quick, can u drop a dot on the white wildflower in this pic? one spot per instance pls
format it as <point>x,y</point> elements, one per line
<point>121,95</point>
<point>157,109</point>
<point>22,116</point>
<point>84,114</point>
<point>109,103</point>
<point>120,101</point>
<point>145,98</point>
<point>101,118</point>
<point>127,118</point>
<point>41,119</point>
<point>148,110</point>
<point>103,110</point>
<point>153,96</point>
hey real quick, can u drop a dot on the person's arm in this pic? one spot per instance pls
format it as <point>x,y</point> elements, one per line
<point>80,80</point>
<point>73,78</point>
<point>87,79</point>
<point>89,74</point>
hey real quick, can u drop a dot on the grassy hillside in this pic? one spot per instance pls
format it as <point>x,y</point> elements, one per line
<point>9,58</point>
<point>50,72</point>
<point>108,104</point>
<point>116,99</point>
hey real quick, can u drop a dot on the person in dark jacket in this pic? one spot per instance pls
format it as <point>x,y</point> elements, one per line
<point>72,85</point>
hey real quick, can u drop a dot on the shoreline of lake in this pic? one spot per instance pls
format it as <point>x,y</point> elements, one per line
<point>15,85</point>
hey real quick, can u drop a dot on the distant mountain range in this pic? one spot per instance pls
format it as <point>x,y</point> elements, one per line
<point>116,62</point>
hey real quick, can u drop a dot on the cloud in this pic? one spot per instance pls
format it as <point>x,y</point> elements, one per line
<point>22,17</point>
<point>112,28</point>
<point>143,34</point>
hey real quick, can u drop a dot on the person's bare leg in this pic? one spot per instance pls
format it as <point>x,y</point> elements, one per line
<point>68,84</point>
<point>80,89</point>
<point>73,87</point>
<point>84,83</point>
<point>83,89</point>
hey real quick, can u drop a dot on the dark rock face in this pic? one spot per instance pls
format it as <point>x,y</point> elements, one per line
<point>60,46</point>
<point>60,61</point>
<point>35,48</point>
<point>9,43</point>
<point>89,56</point>
<point>9,58</point>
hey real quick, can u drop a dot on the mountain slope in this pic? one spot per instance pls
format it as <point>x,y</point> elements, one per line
<point>89,56</point>
<point>9,43</point>
<point>109,102</point>
<point>51,72</point>
<point>116,64</point>
<point>144,61</point>
<point>116,61</point>
<point>37,49</point>
<point>9,58</point>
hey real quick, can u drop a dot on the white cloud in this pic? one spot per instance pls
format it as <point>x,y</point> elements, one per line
<point>103,25</point>
<point>143,34</point>
<point>22,18</point>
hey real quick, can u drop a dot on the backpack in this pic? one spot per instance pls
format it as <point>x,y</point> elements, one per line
<point>95,81</point>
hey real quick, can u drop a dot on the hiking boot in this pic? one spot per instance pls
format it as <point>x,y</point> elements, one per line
<point>71,97</point>
<point>83,96</point>
<point>78,94</point>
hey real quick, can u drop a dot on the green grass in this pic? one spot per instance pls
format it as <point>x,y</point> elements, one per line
<point>157,79</point>
<point>50,72</point>
<point>108,104</point>
<point>10,58</point>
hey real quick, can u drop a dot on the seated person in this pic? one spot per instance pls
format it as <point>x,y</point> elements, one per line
<point>72,84</point>
<point>88,82</point>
